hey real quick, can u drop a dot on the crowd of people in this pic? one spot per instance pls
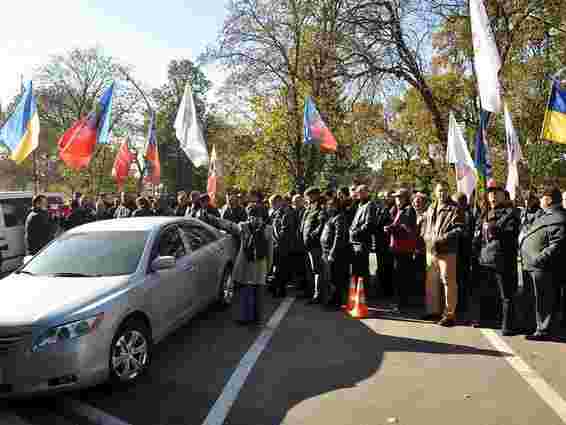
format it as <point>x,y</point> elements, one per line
<point>496,263</point>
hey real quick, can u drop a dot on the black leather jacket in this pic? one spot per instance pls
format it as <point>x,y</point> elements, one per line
<point>543,245</point>
<point>39,230</point>
<point>284,224</point>
<point>495,239</point>
<point>334,238</point>
<point>364,225</point>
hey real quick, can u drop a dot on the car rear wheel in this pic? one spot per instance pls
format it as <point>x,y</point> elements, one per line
<point>130,354</point>
<point>226,291</point>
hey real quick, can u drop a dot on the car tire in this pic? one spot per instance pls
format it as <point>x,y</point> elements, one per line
<point>226,290</point>
<point>130,352</point>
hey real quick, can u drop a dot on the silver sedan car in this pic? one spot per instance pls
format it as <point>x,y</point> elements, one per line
<point>89,306</point>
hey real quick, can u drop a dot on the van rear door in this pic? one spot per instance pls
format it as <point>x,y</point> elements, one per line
<point>13,213</point>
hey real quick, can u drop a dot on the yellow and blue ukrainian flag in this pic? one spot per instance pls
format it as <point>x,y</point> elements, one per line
<point>20,134</point>
<point>554,127</point>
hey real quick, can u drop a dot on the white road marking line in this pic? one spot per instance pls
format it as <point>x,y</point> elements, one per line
<point>229,394</point>
<point>541,387</point>
<point>91,414</point>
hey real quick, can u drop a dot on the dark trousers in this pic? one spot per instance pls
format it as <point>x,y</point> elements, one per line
<point>404,272</point>
<point>335,283</point>
<point>547,299</point>
<point>251,302</point>
<point>315,263</point>
<point>525,302</point>
<point>463,274</point>
<point>420,277</point>
<point>299,269</point>
<point>494,285</point>
<point>282,273</point>
<point>385,272</point>
<point>360,263</point>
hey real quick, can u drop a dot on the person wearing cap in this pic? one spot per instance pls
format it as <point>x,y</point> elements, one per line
<point>312,226</point>
<point>495,241</point>
<point>402,233</point>
<point>543,251</point>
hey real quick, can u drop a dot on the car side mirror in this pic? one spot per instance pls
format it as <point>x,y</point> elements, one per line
<point>163,263</point>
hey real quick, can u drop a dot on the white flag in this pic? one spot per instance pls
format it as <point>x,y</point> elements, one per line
<point>486,58</point>
<point>188,131</point>
<point>458,154</point>
<point>514,155</point>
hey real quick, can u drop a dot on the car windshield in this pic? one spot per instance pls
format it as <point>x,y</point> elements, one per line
<point>90,254</point>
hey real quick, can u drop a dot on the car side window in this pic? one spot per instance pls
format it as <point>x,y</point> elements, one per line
<point>197,237</point>
<point>15,211</point>
<point>171,244</point>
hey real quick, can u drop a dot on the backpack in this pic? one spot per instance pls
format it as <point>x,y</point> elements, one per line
<point>256,245</point>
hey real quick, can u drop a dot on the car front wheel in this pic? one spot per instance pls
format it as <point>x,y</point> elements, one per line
<point>130,354</point>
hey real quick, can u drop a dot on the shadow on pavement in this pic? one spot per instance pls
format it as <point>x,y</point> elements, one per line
<point>315,352</point>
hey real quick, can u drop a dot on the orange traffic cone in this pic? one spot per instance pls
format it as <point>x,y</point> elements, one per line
<point>360,309</point>
<point>351,294</point>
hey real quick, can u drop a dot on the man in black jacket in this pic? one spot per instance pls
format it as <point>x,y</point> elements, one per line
<point>362,230</point>
<point>495,241</point>
<point>542,249</point>
<point>313,223</point>
<point>39,229</point>
<point>335,247</point>
<point>284,233</point>
<point>232,210</point>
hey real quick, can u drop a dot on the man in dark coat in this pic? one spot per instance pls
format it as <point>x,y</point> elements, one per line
<point>39,229</point>
<point>403,243</point>
<point>284,233</point>
<point>79,215</point>
<point>362,230</point>
<point>335,250</point>
<point>543,251</point>
<point>313,223</point>
<point>298,252</point>
<point>495,240</point>
<point>232,210</point>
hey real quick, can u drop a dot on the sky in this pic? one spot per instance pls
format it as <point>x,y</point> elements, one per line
<point>144,34</point>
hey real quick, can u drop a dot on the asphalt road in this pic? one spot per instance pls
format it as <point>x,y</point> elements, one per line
<point>325,368</point>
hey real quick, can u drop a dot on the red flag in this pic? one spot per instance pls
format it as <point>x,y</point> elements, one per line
<point>76,145</point>
<point>122,164</point>
<point>214,174</point>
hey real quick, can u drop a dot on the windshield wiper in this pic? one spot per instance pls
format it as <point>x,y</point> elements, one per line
<point>70,274</point>
<point>25,272</point>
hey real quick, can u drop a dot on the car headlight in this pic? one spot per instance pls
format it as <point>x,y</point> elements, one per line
<point>68,331</point>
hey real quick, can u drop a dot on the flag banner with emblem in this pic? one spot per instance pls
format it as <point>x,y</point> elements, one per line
<point>188,131</point>
<point>76,145</point>
<point>554,126</point>
<point>457,153</point>
<point>315,130</point>
<point>514,155</point>
<point>482,158</point>
<point>152,163</point>
<point>20,134</point>
<point>486,58</point>
<point>214,176</point>
<point>122,164</point>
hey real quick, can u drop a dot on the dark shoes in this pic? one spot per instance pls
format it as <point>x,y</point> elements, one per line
<point>431,317</point>
<point>313,301</point>
<point>539,337</point>
<point>447,322</point>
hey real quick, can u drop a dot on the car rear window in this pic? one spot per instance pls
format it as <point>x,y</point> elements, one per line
<point>91,253</point>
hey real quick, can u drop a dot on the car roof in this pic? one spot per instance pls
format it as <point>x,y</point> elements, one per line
<point>131,224</point>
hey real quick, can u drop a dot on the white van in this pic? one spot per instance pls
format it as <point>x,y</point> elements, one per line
<point>14,207</point>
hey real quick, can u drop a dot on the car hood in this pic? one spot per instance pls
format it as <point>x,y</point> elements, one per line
<point>26,299</point>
